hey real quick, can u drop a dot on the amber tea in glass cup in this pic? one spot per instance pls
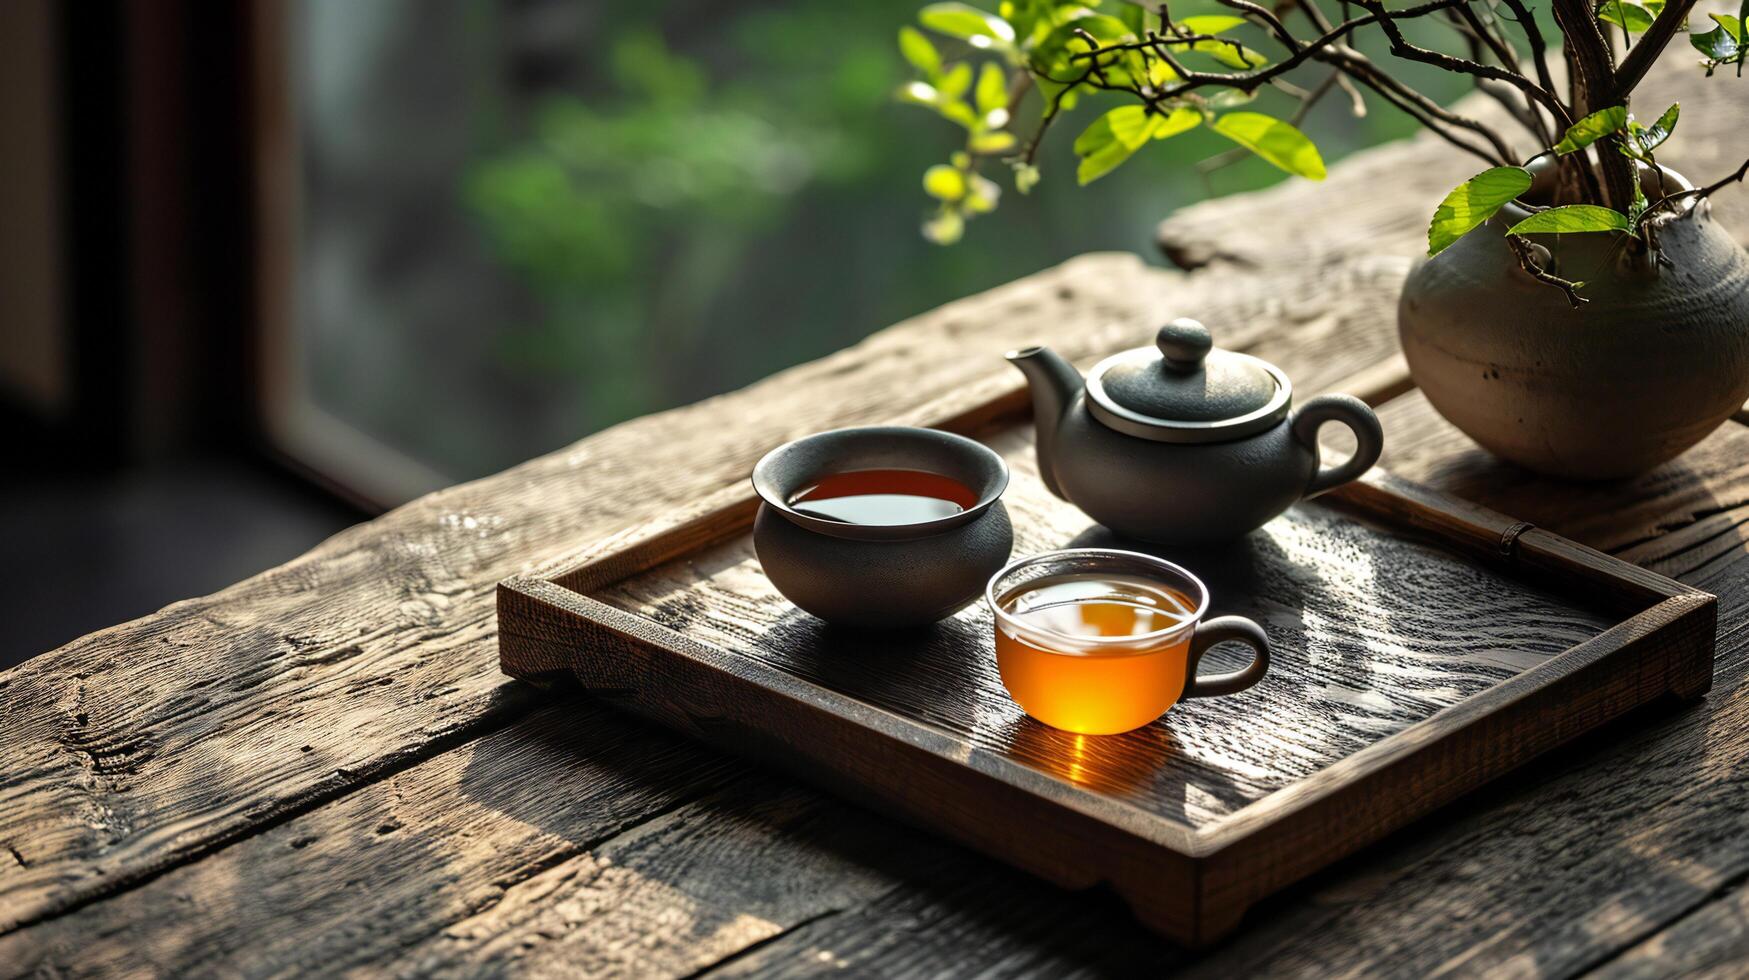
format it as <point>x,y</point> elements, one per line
<point>1099,641</point>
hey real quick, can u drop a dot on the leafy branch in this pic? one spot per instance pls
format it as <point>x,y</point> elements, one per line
<point>1179,74</point>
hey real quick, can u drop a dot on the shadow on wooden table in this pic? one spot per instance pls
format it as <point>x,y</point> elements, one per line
<point>1369,913</point>
<point>754,870</point>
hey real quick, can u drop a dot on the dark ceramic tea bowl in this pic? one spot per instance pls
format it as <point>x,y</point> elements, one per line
<point>881,575</point>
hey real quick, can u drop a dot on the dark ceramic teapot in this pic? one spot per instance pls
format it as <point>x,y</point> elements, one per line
<point>1183,443</point>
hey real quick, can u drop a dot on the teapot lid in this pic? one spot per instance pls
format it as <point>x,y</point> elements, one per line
<point>1185,390</point>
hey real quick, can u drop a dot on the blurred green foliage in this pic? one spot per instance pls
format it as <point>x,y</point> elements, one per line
<point>730,191</point>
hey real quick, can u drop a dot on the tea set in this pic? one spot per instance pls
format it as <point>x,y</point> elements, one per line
<point>1181,443</point>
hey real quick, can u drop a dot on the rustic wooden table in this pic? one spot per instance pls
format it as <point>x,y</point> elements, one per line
<point>322,769</point>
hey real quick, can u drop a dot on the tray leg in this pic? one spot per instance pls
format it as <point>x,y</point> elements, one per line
<point>1192,922</point>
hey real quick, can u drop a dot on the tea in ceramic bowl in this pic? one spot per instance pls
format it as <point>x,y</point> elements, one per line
<point>881,526</point>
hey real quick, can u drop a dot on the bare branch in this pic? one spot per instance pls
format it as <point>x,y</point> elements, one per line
<point>1528,262</point>
<point>1356,101</point>
<point>1697,192</point>
<point>1401,47</point>
<point>1650,46</point>
<point>1539,51</point>
<point>1521,109</point>
<point>1425,111</point>
<point>1420,106</point>
<point>1718,185</point>
<point>1503,53</point>
<point>1589,56</point>
<point>1269,20</point>
<point>1250,81</point>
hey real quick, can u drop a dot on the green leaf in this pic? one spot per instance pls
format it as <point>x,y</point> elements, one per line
<point>1025,177</point>
<point>979,28</point>
<point>1226,54</point>
<point>1053,56</point>
<point>992,92</point>
<point>1122,131</point>
<point>957,111</point>
<point>993,142</point>
<point>1179,120</point>
<point>1209,23</point>
<point>1101,160</point>
<point>1658,132</point>
<point>1732,25</point>
<point>1570,218</point>
<point>1273,140</point>
<point>1135,17</point>
<point>1718,44</point>
<point>1129,125</point>
<point>1593,128</point>
<point>1110,141</point>
<point>944,183</point>
<point>1473,202</point>
<point>1626,15</point>
<point>918,50</point>
<point>956,82</point>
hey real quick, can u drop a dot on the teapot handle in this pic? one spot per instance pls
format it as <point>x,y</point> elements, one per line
<point>1352,412</point>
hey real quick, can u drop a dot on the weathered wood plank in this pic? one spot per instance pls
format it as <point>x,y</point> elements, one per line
<point>132,750</point>
<point>130,916</point>
<point>1647,519</point>
<point>1713,941</point>
<point>883,917</point>
<point>367,875</point>
<point>1552,870</point>
<point>1561,866</point>
<point>577,842</point>
<point>139,747</point>
<point>135,748</point>
<point>1360,621</point>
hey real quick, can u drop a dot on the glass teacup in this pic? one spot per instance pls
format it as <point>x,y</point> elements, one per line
<point>1099,641</point>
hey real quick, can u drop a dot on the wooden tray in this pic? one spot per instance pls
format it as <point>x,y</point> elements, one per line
<point>1422,646</point>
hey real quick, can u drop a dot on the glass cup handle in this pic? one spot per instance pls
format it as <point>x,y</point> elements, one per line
<point>1213,631</point>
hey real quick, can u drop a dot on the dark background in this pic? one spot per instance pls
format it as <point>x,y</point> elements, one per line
<point>268,268</point>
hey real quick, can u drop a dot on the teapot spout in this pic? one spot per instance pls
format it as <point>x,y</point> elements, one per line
<point>1054,383</point>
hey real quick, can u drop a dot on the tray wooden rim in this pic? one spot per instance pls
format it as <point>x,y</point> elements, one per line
<point>659,541</point>
<point>1653,606</point>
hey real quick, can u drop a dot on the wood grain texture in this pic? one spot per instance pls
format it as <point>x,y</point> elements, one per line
<point>1700,496</point>
<point>1548,873</point>
<point>137,749</point>
<point>579,842</point>
<point>146,745</point>
<point>1312,765</point>
<point>1361,622</point>
<point>1598,847</point>
<point>372,874</point>
<point>1713,941</point>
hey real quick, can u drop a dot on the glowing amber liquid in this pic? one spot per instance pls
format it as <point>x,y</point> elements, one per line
<point>1094,689</point>
<point>886,497</point>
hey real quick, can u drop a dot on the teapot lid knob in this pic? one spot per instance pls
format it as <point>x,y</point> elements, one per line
<point>1184,342</point>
